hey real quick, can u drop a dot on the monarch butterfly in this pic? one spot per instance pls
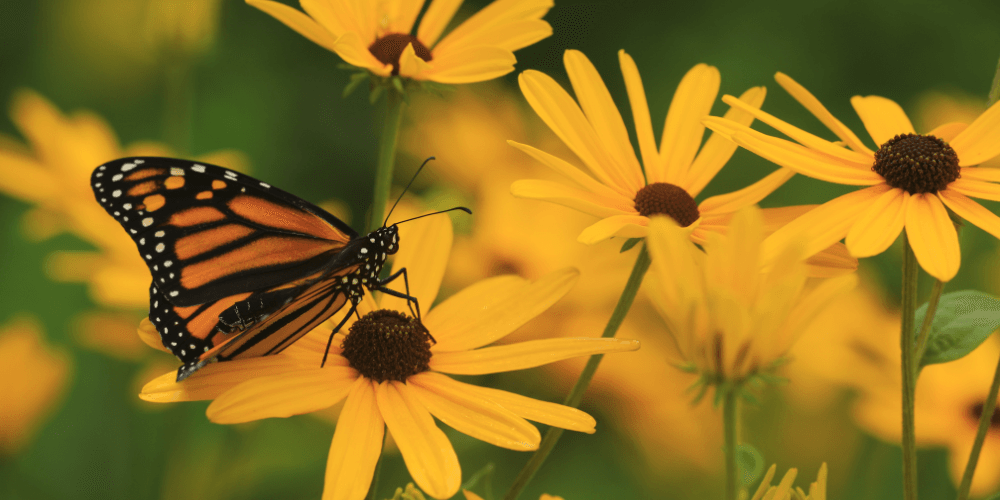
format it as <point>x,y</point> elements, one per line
<point>240,268</point>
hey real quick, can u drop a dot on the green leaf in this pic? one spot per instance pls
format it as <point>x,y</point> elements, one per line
<point>376,93</point>
<point>629,243</point>
<point>353,84</point>
<point>963,321</point>
<point>397,83</point>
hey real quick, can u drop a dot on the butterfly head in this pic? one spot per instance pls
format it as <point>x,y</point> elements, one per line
<point>388,238</point>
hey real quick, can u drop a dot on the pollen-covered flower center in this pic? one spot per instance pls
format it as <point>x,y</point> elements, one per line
<point>976,411</point>
<point>667,199</point>
<point>388,345</point>
<point>917,163</point>
<point>389,48</point>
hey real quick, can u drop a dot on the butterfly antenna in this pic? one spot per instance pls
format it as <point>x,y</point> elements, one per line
<point>429,158</point>
<point>464,209</point>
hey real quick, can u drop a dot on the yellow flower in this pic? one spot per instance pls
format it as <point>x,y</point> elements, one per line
<point>784,490</point>
<point>950,399</point>
<point>387,384</point>
<point>36,377</point>
<point>181,26</point>
<point>472,496</point>
<point>376,35</point>
<point>911,178</point>
<point>729,320</point>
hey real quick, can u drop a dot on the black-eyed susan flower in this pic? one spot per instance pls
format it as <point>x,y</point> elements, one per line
<point>784,489</point>
<point>392,374</point>
<point>911,178</point>
<point>729,319</point>
<point>378,36</point>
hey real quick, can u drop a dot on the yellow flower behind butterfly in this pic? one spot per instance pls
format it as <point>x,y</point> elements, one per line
<point>376,35</point>
<point>390,373</point>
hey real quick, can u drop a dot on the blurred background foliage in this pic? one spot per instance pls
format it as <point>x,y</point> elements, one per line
<point>208,76</point>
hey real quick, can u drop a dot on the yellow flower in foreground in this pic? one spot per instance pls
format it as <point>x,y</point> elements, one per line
<point>36,377</point>
<point>376,35</point>
<point>784,490</point>
<point>392,375</point>
<point>729,319</point>
<point>472,496</point>
<point>911,178</point>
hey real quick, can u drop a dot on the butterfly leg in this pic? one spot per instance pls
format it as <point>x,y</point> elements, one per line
<point>411,301</point>
<point>354,309</point>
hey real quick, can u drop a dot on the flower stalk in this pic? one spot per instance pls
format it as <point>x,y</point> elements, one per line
<point>729,424</point>
<point>394,104</point>
<point>925,327</point>
<point>985,419</point>
<point>575,395</point>
<point>909,374</point>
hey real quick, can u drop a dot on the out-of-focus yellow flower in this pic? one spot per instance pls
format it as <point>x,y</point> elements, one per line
<point>950,398</point>
<point>391,376</point>
<point>36,376</point>
<point>182,26</point>
<point>784,489</point>
<point>472,496</point>
<point>376,35</point>
<point>729,320</point>
<point>912,179</point>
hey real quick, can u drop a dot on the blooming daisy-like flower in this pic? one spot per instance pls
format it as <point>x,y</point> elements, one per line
<point>910,178</point>
<point>729,320</point>
<point>393,373</point>
<point>377,35</point>
<point>620,191</point>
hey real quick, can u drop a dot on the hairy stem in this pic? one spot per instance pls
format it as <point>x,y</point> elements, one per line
<point>394,105</point>
<point>909,374</point>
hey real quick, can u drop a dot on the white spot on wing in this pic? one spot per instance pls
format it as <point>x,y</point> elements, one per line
<point>128,166</point>
<point>198,168</point>
<point>148,221</point>
<point>116,193</point>
<point>117,177</point>
<point>160,247</point>
<point>176,171</point>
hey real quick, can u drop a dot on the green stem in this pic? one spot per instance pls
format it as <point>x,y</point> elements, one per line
<point>178,104</point>
<point>985,419</point>
<point>394,105</point>
<point>576,394</point>
<point>373,489</point>
<point>909,374</point>
<point>729,423</point>
<point>925,327</point>
<point>994,89</point>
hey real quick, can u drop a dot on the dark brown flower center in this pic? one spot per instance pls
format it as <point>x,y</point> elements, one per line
<point>917,163</point>
<point>388,345</point>
<point>667,199</point>
<point>976,411</point>
<point>389,48</point>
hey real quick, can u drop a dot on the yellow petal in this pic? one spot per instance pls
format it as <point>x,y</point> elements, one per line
<point>980,174</point>
<point>335,17</point>
<point>932,236</point>
<point>470,64</point>
<point>640,110</point>
<point>976,188</point>
<point>510,36</point>
<point>577,199</point>
<point>824,225</point>
<point>471,496</point>
<point>493,308</point>
<point>560,112</point>
<point>426,451</point>
<point>435,19</point>
<point>809,306</point>
<point>472,414</point>
<point>401,15</point>
<point>299,22</point>
<point>523,355</point>
<point>357,445</point>
<point>971,211</point>
<point>948,131</point>
<point>494,18</point>
<point>766,482</point>
<point>351,49</point>
<point>23,177</point>
<point>411,66</point>
<point>675,266</point>
<point>880,225</point>
<point>978,142</point>
<point>750,195</point>
<point>624,226</point>
<point>424,247</point>
<point>683,130</point>
<point>283,395</point>
<point>214,379</point>
<point>883,118</point>
<point>573,173</point>
<point>596,102</point>
<point>151,337</point>
<point>831,262</point>
<point>719,148</point>
<point>806,99</point>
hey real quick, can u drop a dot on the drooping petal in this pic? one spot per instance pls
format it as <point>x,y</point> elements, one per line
<point>978,142</point>
<point>971,211</point>
<point>576,199</point>
<point>295,19</point>
<point>283,395</point>
<point>880,225</point>
<point>510,36</point>
<point>683,130</point>
<point>350,48</point>
<point>603,115</point>
<point>809,101</point>
<point>750,195</point>
<point>573,173</point>
<point>336,17</point>
<point>976,188</point>
<point>948,131</point>
<point>357,445</point>
<point>625,226</point>
<point>543,412</point>
<point>472,414</point>
<point>674,266</point>
<point>428,454</point>
<point>425,245</point>
<point>882,117</point>
<point>437,17</point>
<point>214,379</point>
<point>150,336</point>
<point>718,149</point>
<point>523,355</point>
<point>411,66</point>
<point>493,308</point>
<point>640,110</point>
<point>470,64</point>
<point>932,236</point>
<point>494,18</point>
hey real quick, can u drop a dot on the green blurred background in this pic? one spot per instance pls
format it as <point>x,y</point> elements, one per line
<point>262,89</point>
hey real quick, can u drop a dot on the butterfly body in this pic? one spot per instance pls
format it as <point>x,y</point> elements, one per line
<point>240,269</point>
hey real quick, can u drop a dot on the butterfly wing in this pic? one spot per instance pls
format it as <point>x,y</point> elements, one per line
<point>207,233</point>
